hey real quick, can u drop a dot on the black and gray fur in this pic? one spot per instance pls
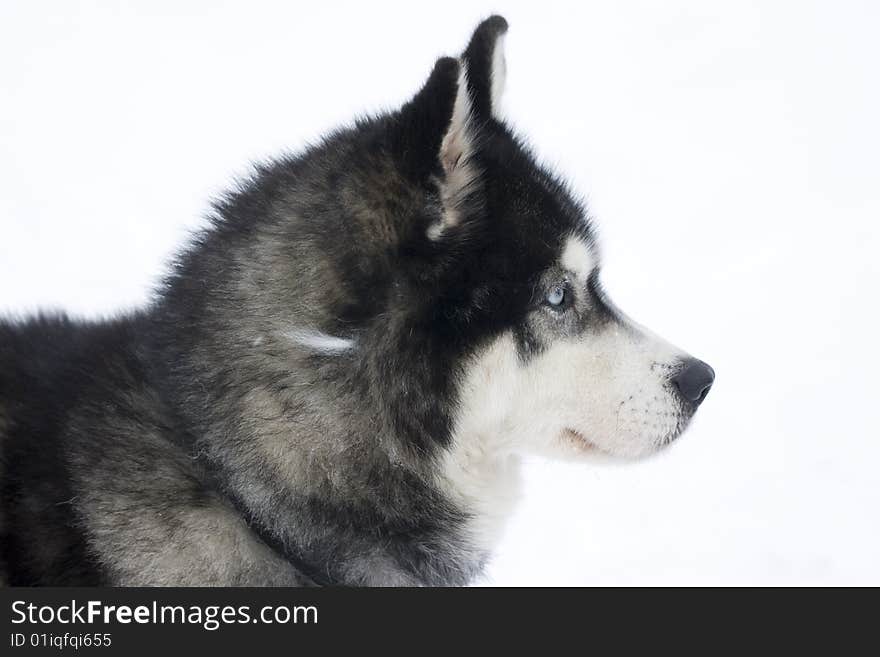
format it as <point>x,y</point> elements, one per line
<point>204,441</point>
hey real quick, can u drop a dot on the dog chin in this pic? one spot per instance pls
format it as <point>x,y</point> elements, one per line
<point>581,448</point>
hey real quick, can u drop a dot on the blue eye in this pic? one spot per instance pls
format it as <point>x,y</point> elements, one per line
<point>556,296</point>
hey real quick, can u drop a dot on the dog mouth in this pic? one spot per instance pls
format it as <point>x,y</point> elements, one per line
<point>674,434</point>
<point>579,441</point>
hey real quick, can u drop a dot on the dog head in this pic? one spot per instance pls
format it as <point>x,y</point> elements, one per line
<point>504,286</point>
<point>454,283</point>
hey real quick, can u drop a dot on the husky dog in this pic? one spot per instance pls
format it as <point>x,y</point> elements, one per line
<point>338,379</point>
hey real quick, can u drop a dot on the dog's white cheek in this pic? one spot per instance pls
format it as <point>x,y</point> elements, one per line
<point>611,389</point>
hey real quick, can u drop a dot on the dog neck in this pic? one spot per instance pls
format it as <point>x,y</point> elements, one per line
<point>486,481</point>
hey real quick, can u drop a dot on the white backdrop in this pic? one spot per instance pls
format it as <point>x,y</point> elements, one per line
<point>728,149</point>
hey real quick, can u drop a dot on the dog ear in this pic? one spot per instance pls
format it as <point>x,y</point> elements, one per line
<point>438,138</point>
<point>425,119</point>
<point>440,126</point>
<point>486,69</point>
<point>460,176</point>
<point>478,92</point>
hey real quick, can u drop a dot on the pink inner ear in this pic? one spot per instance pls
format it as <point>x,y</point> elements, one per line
<point>455,149</point>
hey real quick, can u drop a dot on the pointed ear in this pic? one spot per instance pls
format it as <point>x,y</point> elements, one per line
<point>484,60</point>
<point>460,173</point>
<point>425,119</point>
<point>439,137</point>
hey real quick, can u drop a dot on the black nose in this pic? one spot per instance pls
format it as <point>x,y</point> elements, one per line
<point>694,380</point>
